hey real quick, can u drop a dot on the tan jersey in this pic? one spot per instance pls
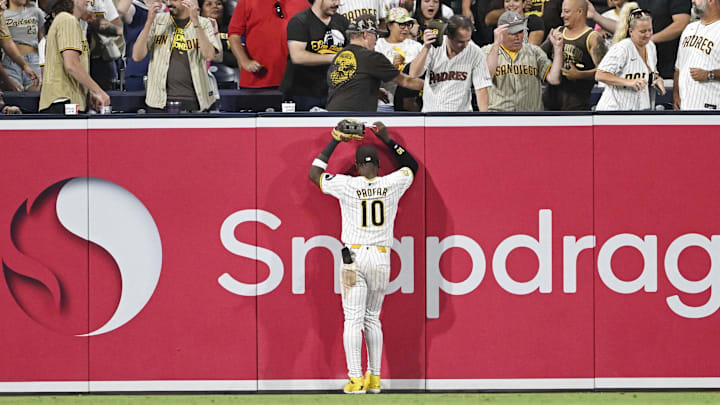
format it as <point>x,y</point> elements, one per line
<point>368,206</point>
<point>65,34</point>
<point>163,34</point>
<point>518,79</point>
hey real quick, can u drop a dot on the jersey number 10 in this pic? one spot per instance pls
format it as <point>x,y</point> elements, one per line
<point>376,213</point>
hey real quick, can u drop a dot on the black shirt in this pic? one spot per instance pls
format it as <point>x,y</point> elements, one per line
<point>662,12</point>
<point>305,26</point>
<point>354,79</point>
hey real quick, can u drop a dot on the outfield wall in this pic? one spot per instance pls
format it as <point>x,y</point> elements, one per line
<point>531,252</point>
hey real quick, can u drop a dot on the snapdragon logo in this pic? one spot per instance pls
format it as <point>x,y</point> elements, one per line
<point>102,213</point>
<point>541,246</point>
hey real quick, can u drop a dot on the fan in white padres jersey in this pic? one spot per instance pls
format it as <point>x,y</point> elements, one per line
<point>697,67</point>
<point>630,65</point>
<point>368,204</point>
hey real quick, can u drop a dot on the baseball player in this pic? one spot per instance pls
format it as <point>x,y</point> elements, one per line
<point>697,68</point>
<point>368,205</point>
<point>453,69</point>
<point>630,64</point>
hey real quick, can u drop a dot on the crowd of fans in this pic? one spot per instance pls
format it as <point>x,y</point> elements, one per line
<point>364,55</point>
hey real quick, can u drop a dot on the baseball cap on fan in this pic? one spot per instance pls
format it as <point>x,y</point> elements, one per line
<point>367,154</point>
<point>515,22</point>
<point>399,15</point>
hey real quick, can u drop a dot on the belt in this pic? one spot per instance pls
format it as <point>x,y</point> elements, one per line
<point>380,248</point>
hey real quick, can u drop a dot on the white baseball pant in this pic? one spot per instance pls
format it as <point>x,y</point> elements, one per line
<point>362,304</point>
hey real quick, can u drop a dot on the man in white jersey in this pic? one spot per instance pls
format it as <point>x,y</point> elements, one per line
<point>697,68</point>
<point>453,68</point>
<point>368,205</point>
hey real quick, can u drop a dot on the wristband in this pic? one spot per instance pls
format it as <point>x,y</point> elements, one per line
<point>319,163</point>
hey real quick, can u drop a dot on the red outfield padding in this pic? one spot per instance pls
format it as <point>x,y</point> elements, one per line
<point>559,255</point>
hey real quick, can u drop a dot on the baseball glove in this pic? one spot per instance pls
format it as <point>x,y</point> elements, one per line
<point>347,130</point>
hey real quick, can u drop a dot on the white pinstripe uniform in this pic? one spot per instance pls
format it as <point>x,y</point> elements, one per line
<point>351,9</point>
<point>699,48</point>
<point>623,60</point>
<point>448,82</point>
<point>368,208</point>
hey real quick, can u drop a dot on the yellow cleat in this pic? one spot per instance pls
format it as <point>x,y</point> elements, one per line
<point>355,386</point>
<point>372,383</point>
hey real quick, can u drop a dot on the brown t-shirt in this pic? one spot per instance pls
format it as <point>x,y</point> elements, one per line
<point>65,34</point>
<point>179,78</point>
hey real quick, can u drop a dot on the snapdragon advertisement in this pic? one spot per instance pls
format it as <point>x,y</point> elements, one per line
<point>195,254</point>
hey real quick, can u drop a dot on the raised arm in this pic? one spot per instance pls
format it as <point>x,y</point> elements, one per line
<point>403,156</point>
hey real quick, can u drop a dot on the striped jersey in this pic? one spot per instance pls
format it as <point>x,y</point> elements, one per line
<point>368,206</point>
<point>351,9</point>
<point>624,61</point>
<point>518,79</point>
<point>699,49</point>
<point>449,82</point>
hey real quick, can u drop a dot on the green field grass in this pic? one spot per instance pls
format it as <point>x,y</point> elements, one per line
<point>322,399</point>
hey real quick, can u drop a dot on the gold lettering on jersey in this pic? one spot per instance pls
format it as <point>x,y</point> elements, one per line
<point>193,44</point>
<point>526,70</point>
<point>179,40</point>
<point>16,23</point>
<point>705,45</point>
<point>321,47</point>
<point>364,193</point>
<point>160,39</point>
<point>571,53</point>
<point>85,46</point>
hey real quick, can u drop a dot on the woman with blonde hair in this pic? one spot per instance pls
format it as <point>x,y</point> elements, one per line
<point>629,69</point>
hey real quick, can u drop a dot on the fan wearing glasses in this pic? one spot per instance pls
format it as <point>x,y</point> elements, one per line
<point>399,48</point>
<point>697,70</point>
<point>630,67</point>
<point>263,54</point>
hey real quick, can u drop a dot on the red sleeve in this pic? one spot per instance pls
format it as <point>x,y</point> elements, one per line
<point>239,20</point>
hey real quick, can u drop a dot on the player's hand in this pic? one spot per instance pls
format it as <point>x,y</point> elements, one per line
<point>571,74</point>
<point>637,84</point>
<point>499,33</point>
<point>31,74</point>
<point>699,75</point>
<point>429,38</point>
<point>380,131</point>
<point>252,66</point>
